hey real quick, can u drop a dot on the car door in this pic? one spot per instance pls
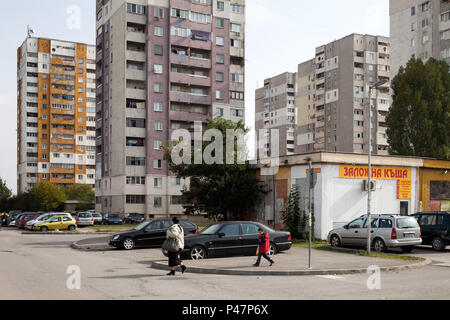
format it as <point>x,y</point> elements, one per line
<point>250,237</point>
<point>428,224</point>
<point>154,234</point>
<point>66,223</point>
<point>361,236</point>
<point>350,234</point>
<point>54,223</point>
<point>228,240</point>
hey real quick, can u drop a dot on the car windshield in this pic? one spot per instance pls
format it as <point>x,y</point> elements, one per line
<point>141,226</point>
<point>212,229</point>
<point>113,216</point>
<point>407,223</point>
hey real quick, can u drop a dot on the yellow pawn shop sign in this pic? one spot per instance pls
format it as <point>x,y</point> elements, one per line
<point>402,175</point>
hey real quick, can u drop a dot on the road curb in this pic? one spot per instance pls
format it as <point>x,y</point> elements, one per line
<point>65,233</point>
<point>90,247</point>
<point>163,266</point>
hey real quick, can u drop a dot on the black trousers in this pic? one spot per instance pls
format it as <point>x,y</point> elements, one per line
<point>265,257</point>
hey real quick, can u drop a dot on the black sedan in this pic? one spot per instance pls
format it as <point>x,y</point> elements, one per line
<point>133,218</point>
<point>148,234</point>
<point>232,239</point>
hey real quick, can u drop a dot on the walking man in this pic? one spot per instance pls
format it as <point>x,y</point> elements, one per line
<point>264,246</point>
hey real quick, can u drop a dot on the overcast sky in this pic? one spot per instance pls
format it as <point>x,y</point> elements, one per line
<point>283,31</point>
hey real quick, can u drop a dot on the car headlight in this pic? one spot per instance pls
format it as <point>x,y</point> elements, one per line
<point>116,237</point>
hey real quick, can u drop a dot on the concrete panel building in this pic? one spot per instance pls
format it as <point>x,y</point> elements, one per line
<point>332,97</point>
<point>56,113</point>
<point>161,66</point>
<point>419,29</point>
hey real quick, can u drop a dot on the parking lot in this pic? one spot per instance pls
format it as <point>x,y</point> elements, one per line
<point>37,268</point>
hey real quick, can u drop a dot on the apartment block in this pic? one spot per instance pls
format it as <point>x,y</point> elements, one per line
<point>161,65</point>
<point>56,113</point>
<point>419,29</point>
<point>332,97</point>
<point>275,110</point>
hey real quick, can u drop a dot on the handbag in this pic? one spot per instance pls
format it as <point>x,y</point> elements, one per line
<point>170,245</point>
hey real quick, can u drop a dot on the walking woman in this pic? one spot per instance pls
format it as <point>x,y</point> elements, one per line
<point>176,232</point>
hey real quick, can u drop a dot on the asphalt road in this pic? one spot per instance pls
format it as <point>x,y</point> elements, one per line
<point>37,269</point>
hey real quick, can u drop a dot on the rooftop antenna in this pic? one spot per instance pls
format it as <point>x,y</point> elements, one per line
<point>30,32</point>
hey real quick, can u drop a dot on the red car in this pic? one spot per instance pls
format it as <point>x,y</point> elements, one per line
<point>24,218</point>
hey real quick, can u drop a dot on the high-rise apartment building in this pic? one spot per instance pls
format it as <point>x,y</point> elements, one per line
<point>331,97</point>
<point>419,28</point>
<point>161,66</point>
<point>56,113</point>
<point>275,109</point>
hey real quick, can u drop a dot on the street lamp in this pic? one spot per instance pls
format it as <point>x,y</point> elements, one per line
<point>372,86</point>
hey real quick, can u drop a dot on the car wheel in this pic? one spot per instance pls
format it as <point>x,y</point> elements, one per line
<point>407,249</point>
<point>272,249</point>
<point>438,244</point>
<point>379,245</point>
<point>198,253</point>
<point>335,241</point>
<point>44,229</point>
<point>128,244</point>
<point>71,228</point>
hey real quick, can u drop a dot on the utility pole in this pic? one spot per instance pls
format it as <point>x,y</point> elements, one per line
<point>310,188</point>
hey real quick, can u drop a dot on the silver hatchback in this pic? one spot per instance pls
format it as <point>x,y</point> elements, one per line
<point>387,231</point>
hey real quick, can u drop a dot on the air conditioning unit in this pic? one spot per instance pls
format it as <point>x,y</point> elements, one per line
<point>373,185</point>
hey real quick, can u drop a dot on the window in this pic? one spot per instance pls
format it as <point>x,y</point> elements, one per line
<point>235,8</point>
<point>157,202</point>
<point>413,11</point>
<point>236,43</point>
<point>220,59</point>
<point>158,50</point>
<point>220,5</point>
<point>157,144</point>
<point>158,126</point>
<point>219,112</point>
<point>133,161</point>
<point>158,87</point>
<point>158,106</point>
<point>220,23</point>
<point>237,113</point>
<point>158,68</point>
<point>159,31</point>
<point>249,228</point>
<point>135,199</point>
<point>236,77</point>
<point>219,41</point>
<point>159,13</point>
<point>175,200</point>
<point>220,76</point>
<point>236,27</point>
<point>231,229</point>
<point>425,6</point>
<point>157,164</point>
<point>355,224</point>
<point>220,95</point>
<point>157,182</point>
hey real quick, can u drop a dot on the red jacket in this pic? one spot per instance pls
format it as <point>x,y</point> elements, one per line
<point>264,243</point>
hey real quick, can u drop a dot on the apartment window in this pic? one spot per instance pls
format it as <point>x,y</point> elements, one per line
<point>413,26</point>
<point>159,13</point>
<point>157,182</point>
<point>175,200</point>
<point>220,95</point>
<point>425,6</point>
<point>159,31</point>
<point>158,50</point>
<point>236,43</point>
<point>219,41</point>
<point>183,14</point>
<point>157,202</point>
<point>425,23</point>
<point>235,8</point>
<point>219,112</point>
<point>220,76</point>
<point>158,106</point>
<point>133,161</point>
<point>236,77</point>
<point>220,23</point>
<point>158,126</point>
<point>236,27</point>
<point>157,164</point>
<point>157,144</point>
<point>158,68</point>
<point>359,123</point>
<point>370,67</point>
<point>237,113</point>
<point>413,42</point>
<point>236,95</point>
<point>220,5</point>
<point>220,59</point>
<point>135,199</point>
<point>413,11</point>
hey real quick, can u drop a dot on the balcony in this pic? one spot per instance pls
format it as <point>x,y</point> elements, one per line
<point>136,37</point>
<point>133,55</point>
<point>139,94</point>
<point>189,79</point>
<point>188,42</point>
<point>176,115</point>
<point>186,97</point>
<point>190,61</point>
<point>133,74</point>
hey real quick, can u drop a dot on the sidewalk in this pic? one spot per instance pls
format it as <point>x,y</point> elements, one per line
<point>294,263</point>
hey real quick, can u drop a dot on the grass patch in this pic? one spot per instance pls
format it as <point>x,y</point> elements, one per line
<point>110,228</point>
<point>325,246</point>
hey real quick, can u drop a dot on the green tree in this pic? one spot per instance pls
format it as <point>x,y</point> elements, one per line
<point>291,214</point>
<point>48,196</point>
<point>418,121</point>
<point>82,193</point>
<point>5,192</point>
<point>226,191</point>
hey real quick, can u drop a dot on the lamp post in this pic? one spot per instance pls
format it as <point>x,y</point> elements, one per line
<point>369,189</point>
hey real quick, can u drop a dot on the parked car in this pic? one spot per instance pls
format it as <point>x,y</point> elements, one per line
<point>387,231</point>
<point>98,218</point>
<point>59,222</point>
<point>14,214</point>
<point>45,217</point>
<point>148,234</point>
<point>84,219</point>
<point>112,219</point>
<point>134,218</point>
<point>232,239</point>
<point>435,228</point>
<point>24,218</point>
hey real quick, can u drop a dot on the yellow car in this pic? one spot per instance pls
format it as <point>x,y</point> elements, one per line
<point>62,222</point>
